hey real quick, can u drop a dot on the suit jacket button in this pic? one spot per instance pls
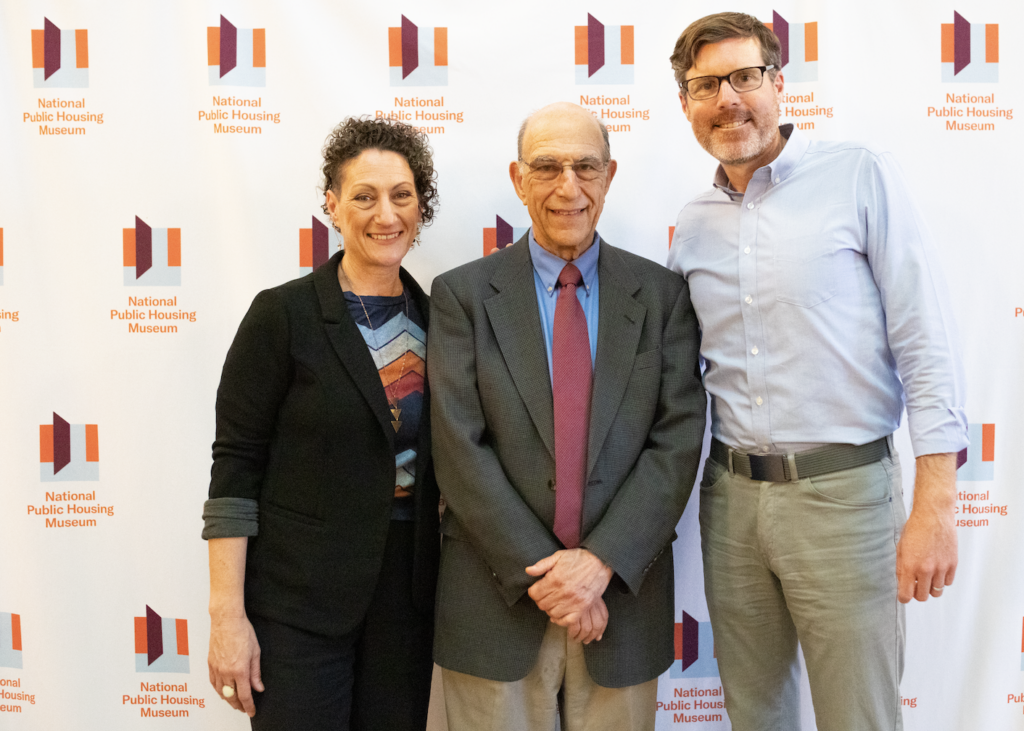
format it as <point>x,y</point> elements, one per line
<point>551,483</point>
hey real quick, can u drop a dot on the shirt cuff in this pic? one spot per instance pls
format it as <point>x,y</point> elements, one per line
<point>938,431</point>
<point>230,517</point>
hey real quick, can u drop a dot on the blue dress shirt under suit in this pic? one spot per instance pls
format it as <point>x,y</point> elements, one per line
<point>546,268</point>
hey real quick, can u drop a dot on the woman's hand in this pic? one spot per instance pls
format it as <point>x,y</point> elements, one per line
<point>234,651</point>
<point>235,661</point>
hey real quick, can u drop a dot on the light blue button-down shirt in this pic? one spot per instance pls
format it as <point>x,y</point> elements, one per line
<point>821,304</point>
<point>546,268</point>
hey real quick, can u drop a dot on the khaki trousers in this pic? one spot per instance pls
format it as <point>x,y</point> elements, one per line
<point>557,689</point>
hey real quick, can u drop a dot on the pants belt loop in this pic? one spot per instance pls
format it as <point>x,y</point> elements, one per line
<point>731,469</point>
<point>791,459</point>
<point>890,445</point>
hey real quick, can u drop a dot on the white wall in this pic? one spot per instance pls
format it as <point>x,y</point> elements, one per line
<point>240,200</point>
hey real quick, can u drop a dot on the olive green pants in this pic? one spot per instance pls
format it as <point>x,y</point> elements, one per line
<point>812,561</point>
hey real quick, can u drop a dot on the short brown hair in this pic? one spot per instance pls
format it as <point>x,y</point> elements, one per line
<point>722,27</point>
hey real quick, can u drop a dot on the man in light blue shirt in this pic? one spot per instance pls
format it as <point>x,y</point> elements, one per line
<point>567,418</point>
<point>822,309</point>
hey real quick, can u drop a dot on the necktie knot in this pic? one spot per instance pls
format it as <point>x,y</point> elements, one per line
<point>570,275</point>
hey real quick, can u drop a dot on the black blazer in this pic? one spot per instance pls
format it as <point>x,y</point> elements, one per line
<point>303,427</point>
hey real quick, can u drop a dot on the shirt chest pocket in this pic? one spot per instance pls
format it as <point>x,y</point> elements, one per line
<point>805,270</point>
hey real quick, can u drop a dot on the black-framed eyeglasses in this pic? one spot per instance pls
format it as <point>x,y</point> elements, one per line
<point>546,169</point>
<point>741,80</point>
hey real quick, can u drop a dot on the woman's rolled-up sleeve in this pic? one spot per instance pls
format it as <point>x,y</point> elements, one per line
<point>230,517</point>
<point>253,384</point>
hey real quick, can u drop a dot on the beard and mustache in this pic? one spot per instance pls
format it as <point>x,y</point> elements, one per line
<point>753,144</point>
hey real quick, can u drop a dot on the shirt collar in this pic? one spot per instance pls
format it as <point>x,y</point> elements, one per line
<point>548,266</point>
<point>781,167</point>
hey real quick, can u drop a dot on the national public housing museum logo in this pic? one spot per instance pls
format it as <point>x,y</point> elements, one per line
<point>60,58</point>
<point>970,51</point>
<point>152,256</point>
<point>161,644</point>
<point>10,640</point>
<point>799,43</point>
<point>68,452</point>
<point>315,245</point>
<point>977,461</point>
<point>604,53</point>
<point>503,234</point>
<point>695,650</point>
<point>417,56</point>
<point>236,56</point>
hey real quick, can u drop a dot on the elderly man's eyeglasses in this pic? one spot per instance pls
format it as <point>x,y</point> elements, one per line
<point>547,169</point>
<point>741,80</point>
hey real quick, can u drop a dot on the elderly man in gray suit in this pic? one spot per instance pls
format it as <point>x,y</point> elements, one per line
<point>568,414</point>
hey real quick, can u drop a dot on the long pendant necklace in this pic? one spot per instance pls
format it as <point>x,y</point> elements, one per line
<point>389,389</point>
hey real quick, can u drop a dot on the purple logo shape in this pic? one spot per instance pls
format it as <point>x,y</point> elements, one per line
<point>320,243</point>
<point>780,27</point>
<point>595,45</point>
<point>690,632</point>
<point>143,247</point>
<point>154,636</point>
<point>61,443</point>
<point>505,235</point>
<point>410,47</point>
<point>51,48</point>
<point>228,46</point>
<point>961,43</point>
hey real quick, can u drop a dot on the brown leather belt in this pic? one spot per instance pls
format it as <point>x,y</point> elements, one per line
<point>791,467</point>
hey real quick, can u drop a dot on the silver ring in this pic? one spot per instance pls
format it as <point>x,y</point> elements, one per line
<point>227,691</point>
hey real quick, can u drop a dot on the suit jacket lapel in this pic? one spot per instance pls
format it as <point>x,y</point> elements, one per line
<point>515,319</point>
<point>621,320</point>
<point>348,343</point>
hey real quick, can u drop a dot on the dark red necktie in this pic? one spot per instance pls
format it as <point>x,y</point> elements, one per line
<point>573,381</point>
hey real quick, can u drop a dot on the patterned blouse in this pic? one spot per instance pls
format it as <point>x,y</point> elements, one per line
<point>398,346</point>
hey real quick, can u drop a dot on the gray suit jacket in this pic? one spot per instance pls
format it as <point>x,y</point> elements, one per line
<point>493,429</point>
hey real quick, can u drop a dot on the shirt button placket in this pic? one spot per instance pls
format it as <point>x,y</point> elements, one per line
<point>750,312</point>
<point>756,377</point>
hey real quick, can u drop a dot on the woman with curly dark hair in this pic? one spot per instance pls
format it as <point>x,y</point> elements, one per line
<point>322,520</point>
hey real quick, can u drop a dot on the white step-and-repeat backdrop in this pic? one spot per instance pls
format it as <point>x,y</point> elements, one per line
<point>159,166</point>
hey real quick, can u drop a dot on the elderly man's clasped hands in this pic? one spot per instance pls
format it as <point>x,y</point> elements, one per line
<point>570,592</point>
